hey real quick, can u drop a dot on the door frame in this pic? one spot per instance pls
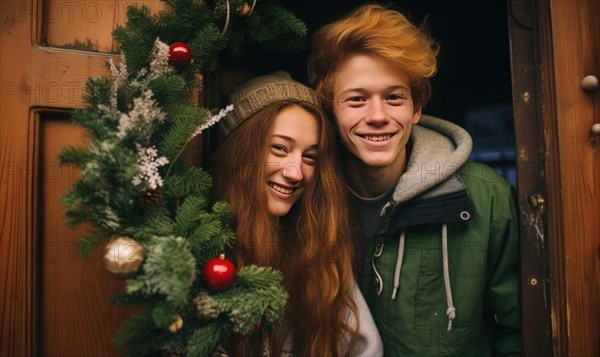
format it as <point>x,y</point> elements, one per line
<point>545,240</point>
<point>529,44</point>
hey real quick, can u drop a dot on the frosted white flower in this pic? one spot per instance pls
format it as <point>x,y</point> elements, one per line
<point>144,114</point>
<point>124,125</point>
<point>212,121</point>
<point>104,108</point>
<point>142,72</point>
<point>120,74</point>
<point>159,64</point>
<point>148,165</point>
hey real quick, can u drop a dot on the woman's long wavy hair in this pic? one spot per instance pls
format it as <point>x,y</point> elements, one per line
<point>311,246</point>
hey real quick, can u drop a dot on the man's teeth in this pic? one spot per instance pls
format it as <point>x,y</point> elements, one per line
<point>377,138</point>
<point>281,189</point>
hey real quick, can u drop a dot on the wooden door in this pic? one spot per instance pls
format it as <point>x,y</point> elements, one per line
<point>554,45</point>
<point>576,211</point>
<point>51,302</point>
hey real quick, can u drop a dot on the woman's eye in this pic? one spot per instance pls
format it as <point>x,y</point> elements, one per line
<point>310,159</point>
<point>278,149</point>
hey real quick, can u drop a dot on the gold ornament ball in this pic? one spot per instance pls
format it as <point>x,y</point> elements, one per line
<point>245,10</point>
<point>177,324</point>
<point>123,257</point>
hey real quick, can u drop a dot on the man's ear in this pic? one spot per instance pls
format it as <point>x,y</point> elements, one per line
<point>417,116</point>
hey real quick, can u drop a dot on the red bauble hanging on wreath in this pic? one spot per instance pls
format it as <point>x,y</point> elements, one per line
<point>180,55</point>
<point>218,273</point>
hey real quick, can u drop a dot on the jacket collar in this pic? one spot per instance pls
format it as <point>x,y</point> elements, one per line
<point>448,202</point>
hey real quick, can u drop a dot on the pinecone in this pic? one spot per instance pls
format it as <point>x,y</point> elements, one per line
<point>151,197</point>
<point>172,351</point>
<point>206,306</point>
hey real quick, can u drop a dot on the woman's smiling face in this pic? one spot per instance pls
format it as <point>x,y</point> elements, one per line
<point>291,160</point>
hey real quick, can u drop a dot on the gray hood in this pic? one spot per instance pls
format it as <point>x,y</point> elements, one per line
<point>439,149</point>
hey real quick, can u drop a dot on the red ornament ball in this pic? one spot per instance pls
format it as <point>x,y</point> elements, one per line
<point>218,273</point>
<point>180,55</point>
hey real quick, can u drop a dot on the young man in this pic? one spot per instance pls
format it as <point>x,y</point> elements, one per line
<point>441,271</point>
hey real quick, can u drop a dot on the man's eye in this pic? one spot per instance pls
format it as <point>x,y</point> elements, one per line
<point>356,99</point>
<point>396,99</point>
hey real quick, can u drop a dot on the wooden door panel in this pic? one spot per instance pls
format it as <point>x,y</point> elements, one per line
<point>576,40</point>
<point>87,24</point>
<point>76,319</point>
<point>51,302</point>
<point>18,333</point>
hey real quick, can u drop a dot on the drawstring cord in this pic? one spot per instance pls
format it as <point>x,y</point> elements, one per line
<point>451,311</point>
<point>378,280</point>
<point>398,266</point>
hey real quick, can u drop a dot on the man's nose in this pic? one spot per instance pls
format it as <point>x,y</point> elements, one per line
<point>376,112</point>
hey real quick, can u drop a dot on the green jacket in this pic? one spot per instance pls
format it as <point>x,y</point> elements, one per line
<point>442,206</point>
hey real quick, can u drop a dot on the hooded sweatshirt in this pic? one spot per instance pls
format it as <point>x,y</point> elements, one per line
<point>441,276</point>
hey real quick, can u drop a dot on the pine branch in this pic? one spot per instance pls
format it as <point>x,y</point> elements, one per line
<point>213,236</point>
<point>222,210</point>
<point>246,305</point>
<point>191,181</point>
<point>97,91</point>
<point>280,29</point>
<point>205,46</point>
<point>173,142</point>
<point>188,215</point>
<point>205,242</point>
<point>169,270</point>
<point>156,223</point>
<point>204,340</point>
<point>169,91</point>
<point>136,38</point>
<point>139,336</point>
<point>163,313</point>
<point>260,277</point>
<point>74,155</point>
<point>187,15</point>
<point>89,243</point>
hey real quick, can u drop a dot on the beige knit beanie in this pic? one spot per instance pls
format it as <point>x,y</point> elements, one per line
<point>254,95</point>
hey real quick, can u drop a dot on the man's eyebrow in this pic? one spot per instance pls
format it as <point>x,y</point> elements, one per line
<point>403,87</point>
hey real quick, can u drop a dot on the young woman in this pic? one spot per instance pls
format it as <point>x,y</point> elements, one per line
<point>276,168</point>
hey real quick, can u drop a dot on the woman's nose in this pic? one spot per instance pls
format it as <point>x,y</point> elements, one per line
<point>292,170</point>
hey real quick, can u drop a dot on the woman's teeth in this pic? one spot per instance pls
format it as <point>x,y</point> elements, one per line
<point>278,188</point>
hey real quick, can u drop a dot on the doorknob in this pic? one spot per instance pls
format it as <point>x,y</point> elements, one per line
<point>589,83</point>
<point>594,132</point>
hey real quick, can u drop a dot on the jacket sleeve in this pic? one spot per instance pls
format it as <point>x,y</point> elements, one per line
<point>368,342</point>
<point>503,294</point>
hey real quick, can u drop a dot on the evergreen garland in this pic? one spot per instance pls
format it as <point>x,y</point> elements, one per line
<point>139,122</point>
